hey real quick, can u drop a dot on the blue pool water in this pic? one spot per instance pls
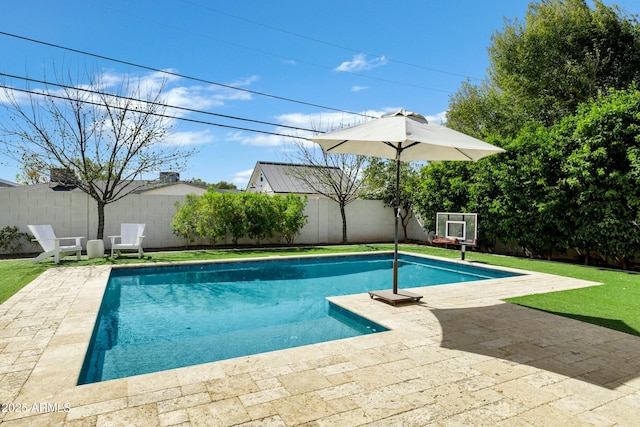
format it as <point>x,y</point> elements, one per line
<point>157,318</point>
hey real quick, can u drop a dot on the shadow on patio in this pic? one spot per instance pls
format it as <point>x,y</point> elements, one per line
<point>568,347</point>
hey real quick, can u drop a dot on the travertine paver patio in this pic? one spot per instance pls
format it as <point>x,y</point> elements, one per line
<point>460,357</point>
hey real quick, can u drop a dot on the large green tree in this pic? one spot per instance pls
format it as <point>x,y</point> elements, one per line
<point>516,194</point>
<point>601,176</point>
<point>442,187</point>
<point>484,111</point>
<point>562,54</point>
<point>560,184</point>
<point>380,184</point>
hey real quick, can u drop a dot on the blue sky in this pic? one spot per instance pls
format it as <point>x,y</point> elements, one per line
<point>354,56</point>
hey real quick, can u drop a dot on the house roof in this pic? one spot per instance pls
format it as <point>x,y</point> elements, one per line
<point>154,185</point>
<point>6,183</point>
<point>283,177</point>
<point>139,186</point>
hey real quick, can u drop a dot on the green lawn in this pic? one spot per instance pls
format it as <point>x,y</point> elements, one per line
<point>615,304</point>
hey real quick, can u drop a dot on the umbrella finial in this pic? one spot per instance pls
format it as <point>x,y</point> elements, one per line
<point>409,114</point>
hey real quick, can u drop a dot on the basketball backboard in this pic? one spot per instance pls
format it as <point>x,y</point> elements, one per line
<point>456,227</point>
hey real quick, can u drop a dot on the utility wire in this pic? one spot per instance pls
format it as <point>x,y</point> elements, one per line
<point>302,36</point>
<point>49,95</point>
<point>298,61</point>
<point>171,73</point>
<point>191,110</point>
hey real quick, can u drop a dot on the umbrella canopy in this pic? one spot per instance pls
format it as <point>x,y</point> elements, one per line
<point>408,133</point>
<point>404,136</point>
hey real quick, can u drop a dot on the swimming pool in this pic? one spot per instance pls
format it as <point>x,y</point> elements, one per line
<point>157,318</point>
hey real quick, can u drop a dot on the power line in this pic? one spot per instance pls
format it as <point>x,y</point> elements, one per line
<point>49,95</point>
<point>171,73</point>
<point>298,61</point>
<point>349,49</point>
<point>192,110</point>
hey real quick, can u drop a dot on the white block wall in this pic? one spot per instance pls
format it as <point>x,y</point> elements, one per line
<point>75,214</point>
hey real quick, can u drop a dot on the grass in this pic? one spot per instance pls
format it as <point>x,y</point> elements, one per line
<point>14,275</point>
<point>615,304</point>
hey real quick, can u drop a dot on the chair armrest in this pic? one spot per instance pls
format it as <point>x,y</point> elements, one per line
<point>113,239</point>
<point>56,240</point>
<point>77,239</point>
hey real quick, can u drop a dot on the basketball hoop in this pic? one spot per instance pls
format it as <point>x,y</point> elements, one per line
<point>456,228</point>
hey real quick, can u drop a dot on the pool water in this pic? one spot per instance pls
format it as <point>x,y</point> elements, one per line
<point>157,318</point>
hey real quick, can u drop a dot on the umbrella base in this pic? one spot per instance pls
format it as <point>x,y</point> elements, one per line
<point>390,298</point>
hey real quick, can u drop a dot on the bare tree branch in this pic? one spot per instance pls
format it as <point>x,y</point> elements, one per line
<point>338,177</point>
<point>107,141</point>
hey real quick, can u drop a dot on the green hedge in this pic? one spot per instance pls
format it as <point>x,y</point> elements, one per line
<point>214,216</point>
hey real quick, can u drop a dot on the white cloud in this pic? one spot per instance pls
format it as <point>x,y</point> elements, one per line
<point>176,90</point>
<point>241,179</point>
<point>8,95</point>
<point>324,122</point>
<point>194,97</point>
<point>439,118</point>
<point>183,139</point>
<point>246,81</point>
<point>360,63</point>
<point>154,82</point>
<point>256,139</point>
<point>359,88</point>
<point>321,122</point>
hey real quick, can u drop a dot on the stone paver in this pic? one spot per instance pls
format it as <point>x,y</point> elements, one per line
<point>459,357</point>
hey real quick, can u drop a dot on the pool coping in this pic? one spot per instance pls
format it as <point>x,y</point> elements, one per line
<point>45,329</point>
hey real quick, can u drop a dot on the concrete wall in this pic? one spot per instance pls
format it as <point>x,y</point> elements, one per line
<point>75,214</point>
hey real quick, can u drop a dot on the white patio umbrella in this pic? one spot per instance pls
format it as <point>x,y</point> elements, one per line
<point>404,136</point>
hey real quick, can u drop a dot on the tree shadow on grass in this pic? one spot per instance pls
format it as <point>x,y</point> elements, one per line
<point>568,347</point>
<point>615,324</point>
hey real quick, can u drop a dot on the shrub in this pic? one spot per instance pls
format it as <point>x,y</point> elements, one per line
<point>213,216</point>
<point>12,239</point>
<point>185,222</point>
<point>290,216</point>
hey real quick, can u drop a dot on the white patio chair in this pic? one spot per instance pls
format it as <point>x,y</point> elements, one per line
<point>130,239</point>
<point>51,244</point>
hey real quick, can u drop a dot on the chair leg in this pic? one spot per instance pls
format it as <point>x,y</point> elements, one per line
<point>43,255</point>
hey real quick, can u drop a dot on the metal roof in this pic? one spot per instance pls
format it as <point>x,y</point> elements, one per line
<point>136,186</point>
<point>6,183</point>
<point>283,177</point>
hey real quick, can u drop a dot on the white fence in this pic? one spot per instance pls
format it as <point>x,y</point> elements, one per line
<point>73,213</point>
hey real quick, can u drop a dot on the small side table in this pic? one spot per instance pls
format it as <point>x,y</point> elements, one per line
<point>95,249</point>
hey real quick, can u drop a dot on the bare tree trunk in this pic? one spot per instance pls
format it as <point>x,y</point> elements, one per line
<point>404,230</point>
<point>104,138</point>
<point>405,223</point>
<point>343,214</point>
<point>100,232</point>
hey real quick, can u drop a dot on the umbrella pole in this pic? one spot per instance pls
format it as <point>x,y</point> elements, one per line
<point>397,212</point>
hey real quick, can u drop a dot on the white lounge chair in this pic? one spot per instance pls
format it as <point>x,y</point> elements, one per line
<point>130,239</point>
<point>51,244</point>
